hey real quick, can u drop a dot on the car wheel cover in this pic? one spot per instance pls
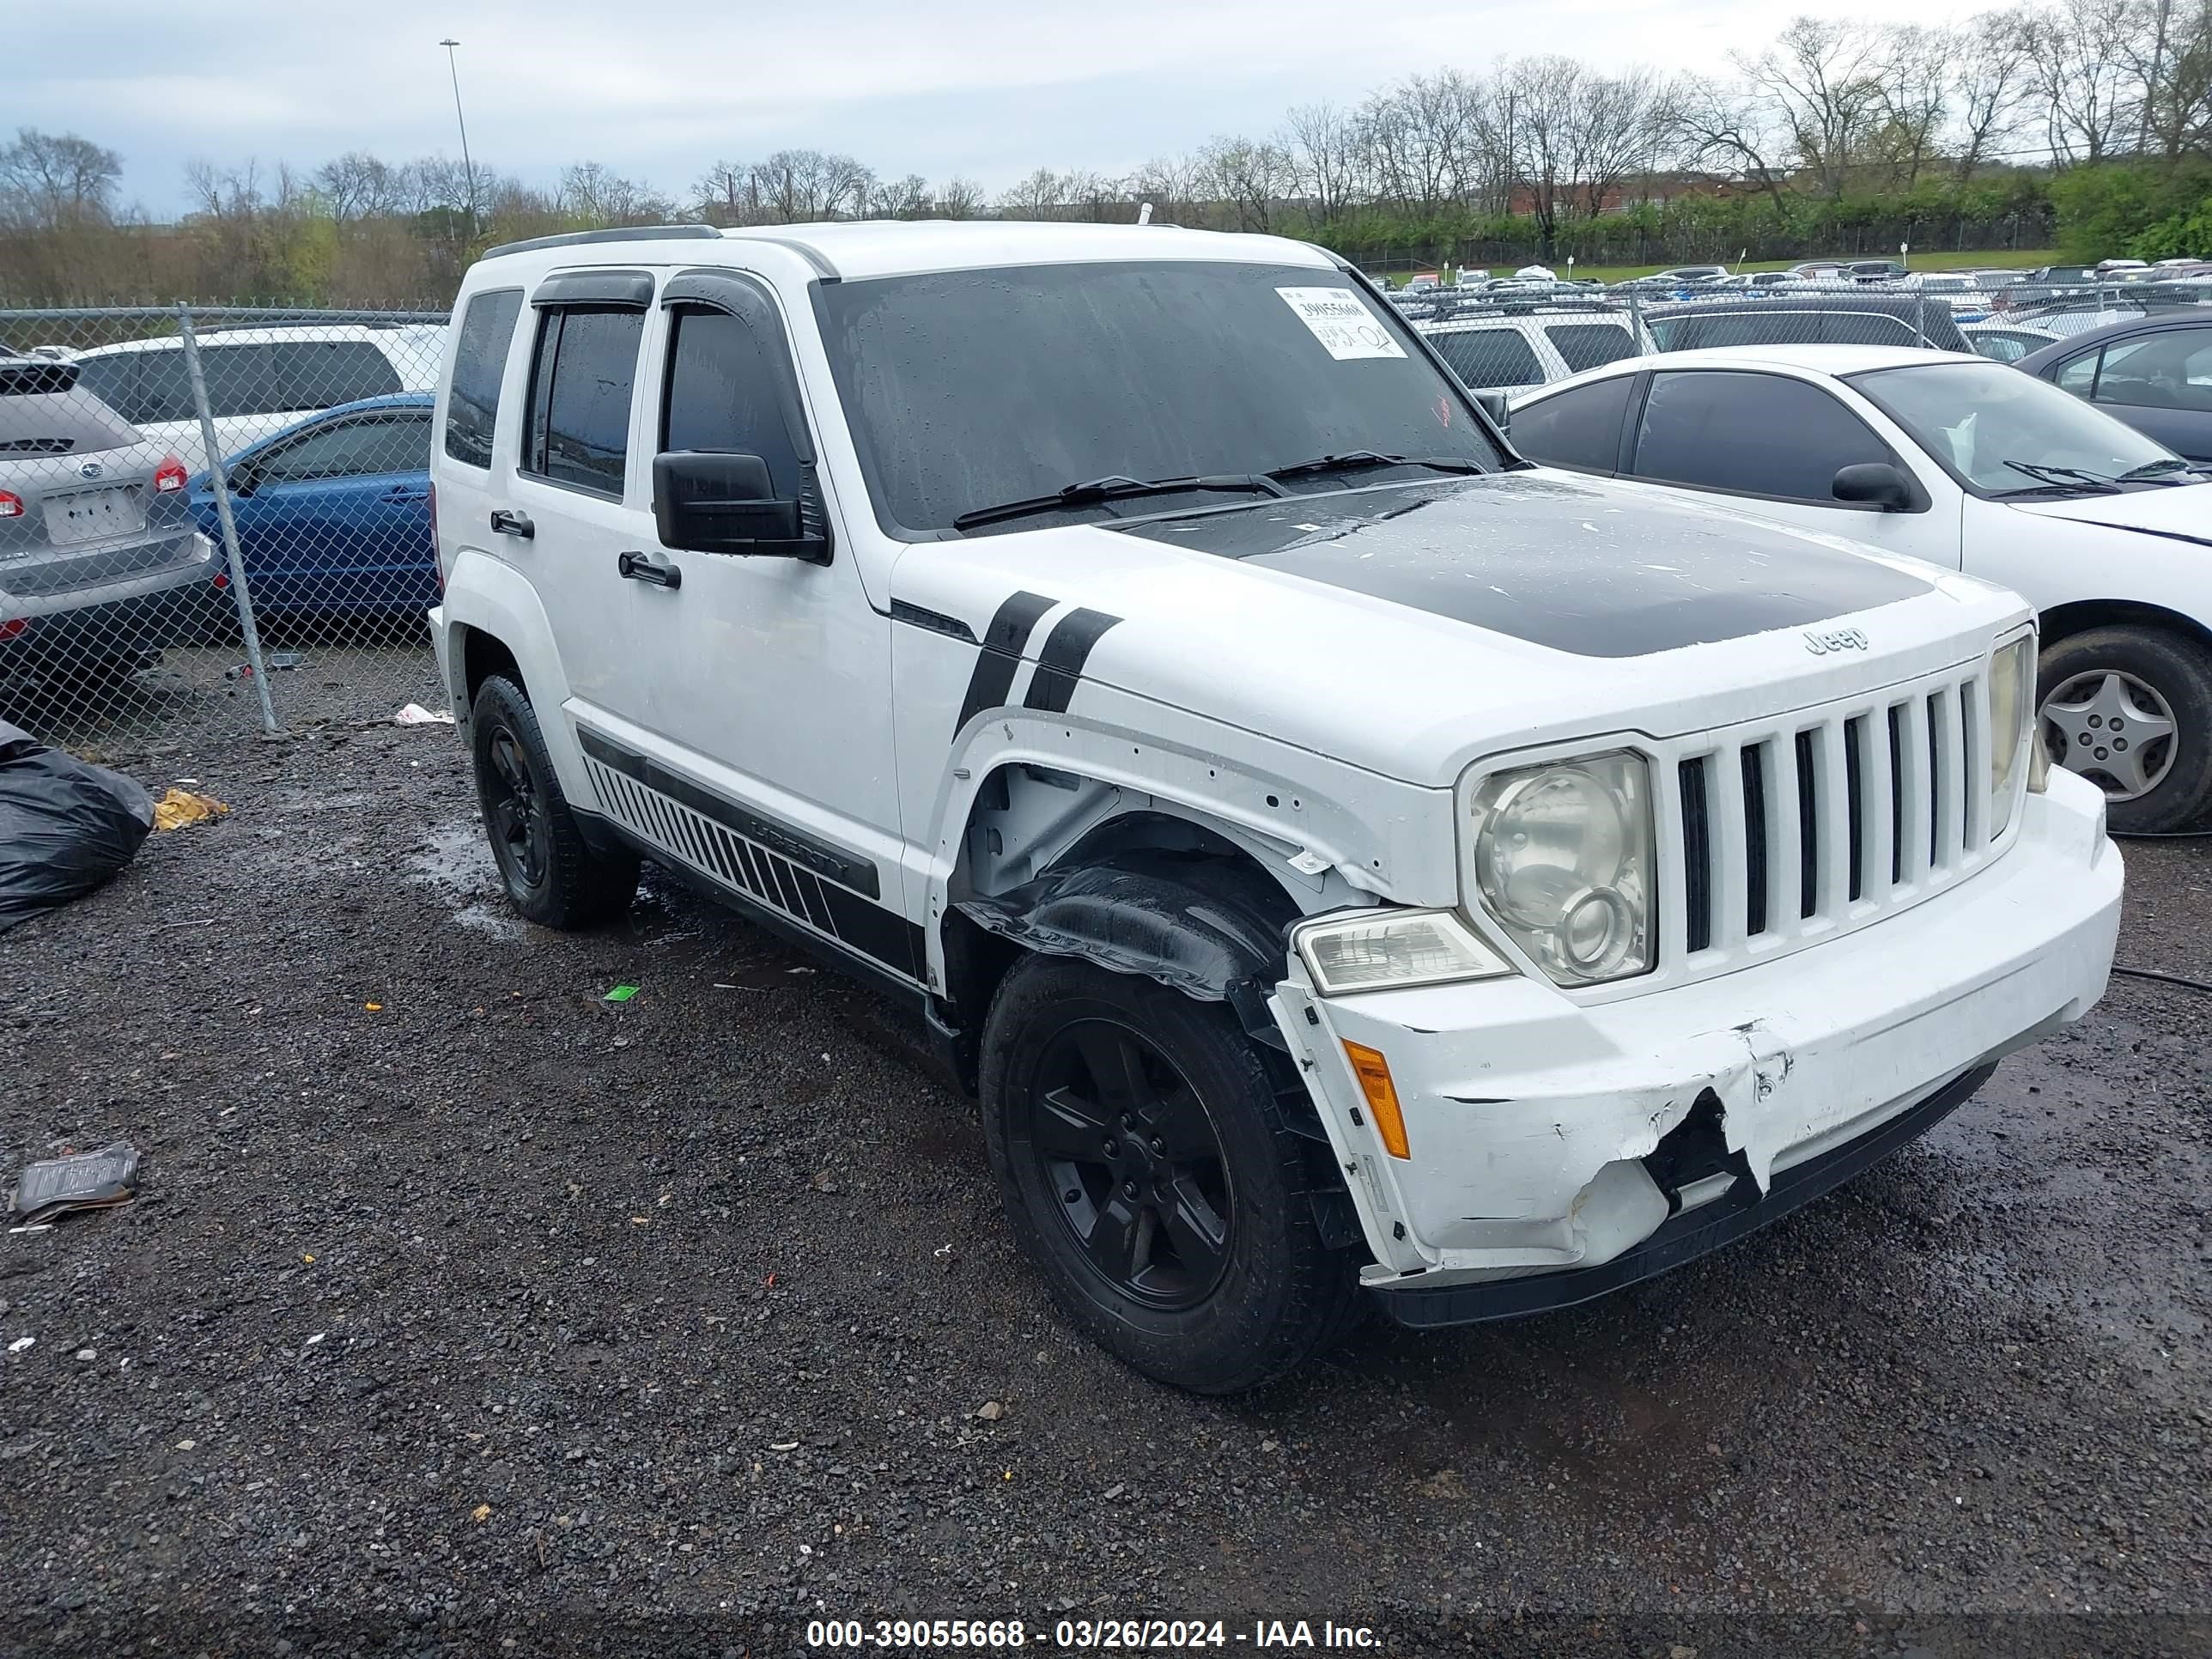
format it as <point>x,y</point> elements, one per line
<point>515,812</point>
<point>2113,728</point>
<point>1125,1153</point>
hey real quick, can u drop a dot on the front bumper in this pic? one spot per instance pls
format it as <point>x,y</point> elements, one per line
<point>1550,1138</point>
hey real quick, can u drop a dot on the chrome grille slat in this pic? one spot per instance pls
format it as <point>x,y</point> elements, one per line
<point>1783,831</point>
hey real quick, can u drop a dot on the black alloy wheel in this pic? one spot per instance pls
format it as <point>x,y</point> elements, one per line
<point>1119,1134</point>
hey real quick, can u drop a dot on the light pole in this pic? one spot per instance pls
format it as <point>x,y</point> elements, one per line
<point>468,167</point>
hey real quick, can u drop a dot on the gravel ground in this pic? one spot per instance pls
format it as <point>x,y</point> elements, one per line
<point>463,1309</point>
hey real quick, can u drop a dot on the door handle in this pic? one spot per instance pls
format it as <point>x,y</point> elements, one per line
<point>403,493</point>
<point>640,567</point>
<point>508,522</point>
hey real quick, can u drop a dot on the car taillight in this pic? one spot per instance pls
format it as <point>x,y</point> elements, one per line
<point>15,627</point>
<point>437,548</point>
<point>169,478</point>
<point>11,504</point>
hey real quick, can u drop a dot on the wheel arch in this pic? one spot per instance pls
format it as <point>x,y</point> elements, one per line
<point>2064,622</point>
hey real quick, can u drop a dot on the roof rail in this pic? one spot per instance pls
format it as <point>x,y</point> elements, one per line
<point>632,233</point>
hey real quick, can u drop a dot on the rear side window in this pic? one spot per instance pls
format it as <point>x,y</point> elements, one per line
<point>1590,345</point>
<point>1866,328</point>
<point>1490,357</point>
<point>479,366</point>
<point>577,428</point>
<point>242,380</point>
<point>2171,370</point>
<point>721,395</point>
<point>354,449</point>
<point>1579,428</point>
<point>1760,434</point>
<point>322,374</point>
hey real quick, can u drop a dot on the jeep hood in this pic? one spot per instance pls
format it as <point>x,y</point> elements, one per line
<point>1409,628</point>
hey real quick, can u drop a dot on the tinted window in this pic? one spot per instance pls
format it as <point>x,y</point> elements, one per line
<point>1865,328</point>
<point>114,381</point>
<point>721,396</point>
<point>165,386</point>
<point>970,388</point>
<point>2171,370</point>
<point>354,449</point>
<point>2005,348</point>
<point>2078,374</point>
<point>578,426</point>
<point>1578,428</point>
<point>1490,357</point>
<point>1586,345</point>
<point>242,380</point>
<point>479,365</point>
<point>1761,434</point>
<point>321,373</point>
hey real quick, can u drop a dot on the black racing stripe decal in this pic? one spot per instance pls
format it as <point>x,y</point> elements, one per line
<point>1003,642</point>
<point>857,873</point>
<point>1059,664</point>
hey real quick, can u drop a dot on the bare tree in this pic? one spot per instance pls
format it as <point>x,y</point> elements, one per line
<point>898,198</point>
<point>1037,197</point>
<point>598,196</point>
<point>797,186</point>
<point>1324,142</point>
<point>1717,126</point>
<point>1990,83</point>
<point>50,179</point>
<point>359,185</point>
<point>2170,54</point>
<point>959,199</point>
<point>728,194</point>
<point>1251,177</point>
<point>2081,54</point>
<point>1912,100</point>
<point>1822,82</point>
<point>1171,184</point>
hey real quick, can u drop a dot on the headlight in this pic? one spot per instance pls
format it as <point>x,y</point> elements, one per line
<point>2012,723</point>
<point>1384,949</point>
<point>1563,858</point>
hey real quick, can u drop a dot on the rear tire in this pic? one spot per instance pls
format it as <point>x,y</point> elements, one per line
<point>1148,1172</point>
<point>2130,709</point>
<point>551,873</point>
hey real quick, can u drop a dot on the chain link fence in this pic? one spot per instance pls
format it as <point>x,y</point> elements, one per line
<point>214,520</point>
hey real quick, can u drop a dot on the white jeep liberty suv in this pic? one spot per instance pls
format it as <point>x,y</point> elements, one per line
<point>1350,865</point>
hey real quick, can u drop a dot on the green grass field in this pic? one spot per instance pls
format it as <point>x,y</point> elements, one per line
<point>2021,260</point>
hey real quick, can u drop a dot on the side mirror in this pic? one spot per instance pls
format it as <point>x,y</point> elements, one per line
<point>244,481</point>
<point>716,501</point>
<point>1877,484</point>
<point>1495,405</point>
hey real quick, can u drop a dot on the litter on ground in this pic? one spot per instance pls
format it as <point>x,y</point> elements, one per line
<point>81,1180</point>
<point>178,807</point>
<point>414,714</point>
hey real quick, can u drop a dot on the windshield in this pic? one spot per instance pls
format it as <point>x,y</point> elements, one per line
<point>1977,417</point>
<point>970,388</point>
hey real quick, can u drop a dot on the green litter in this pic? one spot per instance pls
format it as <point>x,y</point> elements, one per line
<point>619,994</point>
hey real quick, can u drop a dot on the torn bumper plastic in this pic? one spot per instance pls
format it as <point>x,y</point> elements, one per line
<point>1550,1137</point>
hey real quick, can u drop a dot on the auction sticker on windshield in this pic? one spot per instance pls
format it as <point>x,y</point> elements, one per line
<point>1341,322</point>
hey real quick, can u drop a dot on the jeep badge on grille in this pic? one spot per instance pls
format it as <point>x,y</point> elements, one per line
<point>1841,638</point>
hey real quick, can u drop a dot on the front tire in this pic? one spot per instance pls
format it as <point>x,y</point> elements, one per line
<point>551,873</point>
<point>2130,709</point>
<point>1148,1172</point>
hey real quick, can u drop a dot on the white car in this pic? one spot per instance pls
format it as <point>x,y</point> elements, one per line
<point>1973,465</point>
<point>1344,859</point>
<point>1494,350</point>
<point>259,381</point>
<point>2007,342</point>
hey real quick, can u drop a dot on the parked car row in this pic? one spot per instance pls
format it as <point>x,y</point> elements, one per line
<point>1969,465</point>
<point>108,524</point>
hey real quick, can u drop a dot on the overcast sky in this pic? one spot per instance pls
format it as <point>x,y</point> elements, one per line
<point>660,89</point>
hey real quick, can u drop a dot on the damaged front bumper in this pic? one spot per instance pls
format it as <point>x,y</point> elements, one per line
<point>1561,1149</point>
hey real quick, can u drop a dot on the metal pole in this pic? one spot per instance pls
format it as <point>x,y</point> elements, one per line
<point>221,485</point>
<point>468,167</point>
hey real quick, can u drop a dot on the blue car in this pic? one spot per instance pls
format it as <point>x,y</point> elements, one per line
<point>333,513</point>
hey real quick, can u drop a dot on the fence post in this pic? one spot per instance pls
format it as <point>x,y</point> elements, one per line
<point>221,485</point>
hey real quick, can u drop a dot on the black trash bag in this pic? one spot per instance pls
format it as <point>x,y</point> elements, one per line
<point>65,825</point>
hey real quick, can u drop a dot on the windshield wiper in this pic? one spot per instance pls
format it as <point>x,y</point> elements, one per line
<point>1357,460</point>
<point>2164,468</point>
<point>1095,490</point>
<point>2065,477</point>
